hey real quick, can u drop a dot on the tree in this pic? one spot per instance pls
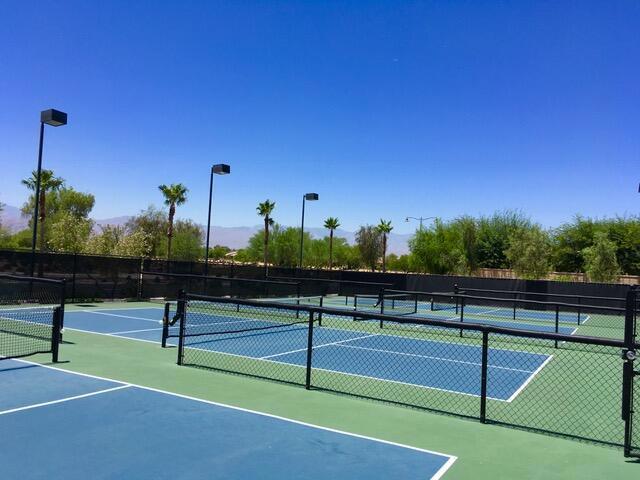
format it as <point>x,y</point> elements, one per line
<point>529,253</point>
<point>468,228</point>
<point>331,223</point>
<point>493,234</point>
<point>187,241</point>
<point>384,227</point>
<point>218,252</point>
<point>106,242</point>
<point>601,264</point>
<point>369,241</point>
<point>70,233</point>
<point>153,224</point>
<point>438,249</point>
<point>400,263</point>
<point>134,244</point>
<point>48,182</point>
<point>174,195</point>
<point>265,209</point>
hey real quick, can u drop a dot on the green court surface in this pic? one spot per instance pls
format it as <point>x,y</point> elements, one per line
<point>483,451</point>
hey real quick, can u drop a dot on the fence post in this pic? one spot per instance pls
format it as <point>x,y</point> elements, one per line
<point>628,373</point>
<point>483,377</point>
<point>309,351</point>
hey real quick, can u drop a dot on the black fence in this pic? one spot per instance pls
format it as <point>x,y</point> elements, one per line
<point>91,277</point>
<point>168,285</point>
<point>31,315</point>
<point>557,383</point>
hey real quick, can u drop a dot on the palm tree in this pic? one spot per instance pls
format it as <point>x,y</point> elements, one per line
<point>48,182</point>
<point>264,210</point>
<point>385,228</point>
<point>174,194</point>
<point>331,224</point>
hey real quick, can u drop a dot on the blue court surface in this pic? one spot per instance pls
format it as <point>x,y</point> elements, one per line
<point>451,367</point>
<point>66,425</point>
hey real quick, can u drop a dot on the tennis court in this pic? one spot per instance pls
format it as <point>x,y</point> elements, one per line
<point>78,426</point>
<point>350,352</point>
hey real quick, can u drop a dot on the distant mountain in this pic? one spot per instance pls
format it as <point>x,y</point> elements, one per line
<point>232,237</point>
<point>12,219</point>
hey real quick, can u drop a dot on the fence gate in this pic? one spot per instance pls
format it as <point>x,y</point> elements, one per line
<point>631,377</point>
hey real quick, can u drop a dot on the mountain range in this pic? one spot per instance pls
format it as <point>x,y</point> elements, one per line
<point>232,237</point>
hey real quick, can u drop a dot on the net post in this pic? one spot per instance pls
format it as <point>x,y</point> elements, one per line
<point>307,384</point>
<point>55,334</point>
<point>579,309</point>
<point>557,324</point>
<point>381,300</point>
<point>182,312</point>
<point>456,291</point>
<point>515,306</point>
<point>320,313</point>
<point>415,304</point>
<point>165,324</point>
<point>483,377</point>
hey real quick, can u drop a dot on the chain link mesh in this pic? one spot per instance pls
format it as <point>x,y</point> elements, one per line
<point>477,364</point>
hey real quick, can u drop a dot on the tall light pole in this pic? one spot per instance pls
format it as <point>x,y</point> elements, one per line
<point>55,118</point>
<point>421,219</point>
<point>311,197</point>
<point>219,169</point>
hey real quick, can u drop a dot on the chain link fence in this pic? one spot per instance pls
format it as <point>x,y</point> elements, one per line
<point>562,383</point>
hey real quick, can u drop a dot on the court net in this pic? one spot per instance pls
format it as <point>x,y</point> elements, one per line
<point>30,316</point>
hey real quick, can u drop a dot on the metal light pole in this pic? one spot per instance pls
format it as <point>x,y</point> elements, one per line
<point>311,197</point>
<point>220,169</point>
<point>420,219</point>
<point>55,118</point>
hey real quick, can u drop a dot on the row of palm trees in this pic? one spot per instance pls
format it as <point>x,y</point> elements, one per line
<point>265,210</point>
<point>175,195</point>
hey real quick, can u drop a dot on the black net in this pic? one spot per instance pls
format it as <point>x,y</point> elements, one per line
<point>31,312</point>
<point>578,299</point>
<point>245,338</point>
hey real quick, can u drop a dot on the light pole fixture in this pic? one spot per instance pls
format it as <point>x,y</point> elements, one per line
<point>55,118</point>
<point>219,169</point>
<point>421,219</point>
<point>311,197</point>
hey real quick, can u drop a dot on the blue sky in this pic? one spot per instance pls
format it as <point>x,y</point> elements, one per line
<point>386,109</point>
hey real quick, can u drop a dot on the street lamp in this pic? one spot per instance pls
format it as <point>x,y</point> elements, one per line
<point>55,118</point>
<point>219,169</point>
<point>421,219</point>
<point>311,197</point>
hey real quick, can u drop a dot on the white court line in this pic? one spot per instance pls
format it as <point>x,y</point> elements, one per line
<point>452,360</point>
<point>72,307</point>
<point>136,331</point>
<point>66,399</point>
<point>121,316</point>
<point>437,475</point>
<point>175,327</point>
<point>318,346</point>
<point>528,380</point>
